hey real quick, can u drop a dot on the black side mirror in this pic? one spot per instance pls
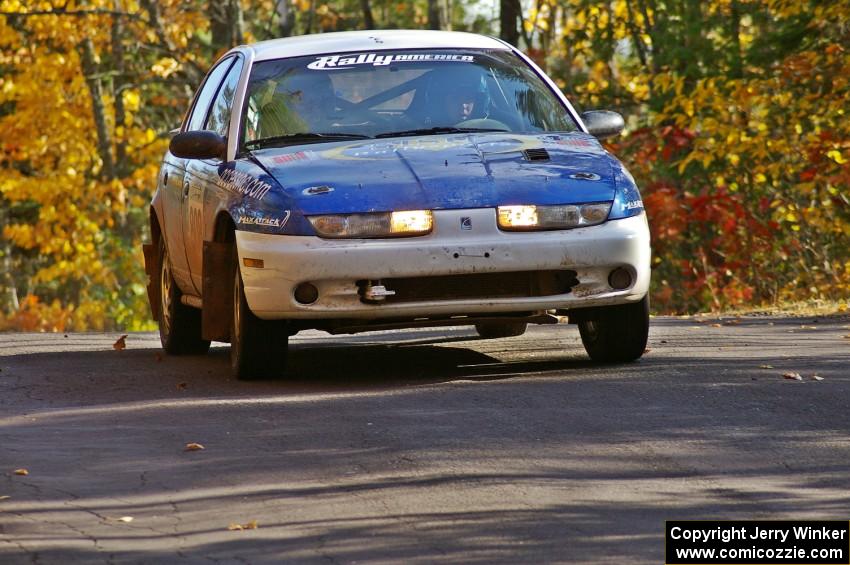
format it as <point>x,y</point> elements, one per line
<point>603,123</point>
<point>198,145</point>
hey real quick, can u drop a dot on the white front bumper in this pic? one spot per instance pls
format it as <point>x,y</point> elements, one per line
<point>334,266</point>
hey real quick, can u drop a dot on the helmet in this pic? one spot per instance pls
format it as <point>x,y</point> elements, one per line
<point>457,92</point>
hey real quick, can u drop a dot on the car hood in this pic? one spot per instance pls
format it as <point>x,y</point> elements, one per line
<point>442,172</point>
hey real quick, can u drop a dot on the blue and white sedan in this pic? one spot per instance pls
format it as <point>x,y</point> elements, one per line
<point>373,180</point>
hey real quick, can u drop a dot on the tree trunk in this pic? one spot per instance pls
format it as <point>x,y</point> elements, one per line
<point>368,20</point>
<point>434,14</point>
<point>226,23</point>
<point>510,14</point>
<point>121,167</point>
<point>446,14</point>
<point>286,18</point>
<point>310,17</point>
<point>737,69</point>
<point>104,140</point>
<point>238,19</point>
<point>7,280</point>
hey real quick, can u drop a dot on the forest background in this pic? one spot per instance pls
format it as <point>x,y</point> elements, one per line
<point>737,132</point>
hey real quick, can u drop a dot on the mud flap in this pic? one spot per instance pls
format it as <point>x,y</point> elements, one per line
<point>152,269</point>
<point>217,313</point>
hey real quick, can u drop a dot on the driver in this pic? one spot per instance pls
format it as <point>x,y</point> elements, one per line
<point>458,95</point>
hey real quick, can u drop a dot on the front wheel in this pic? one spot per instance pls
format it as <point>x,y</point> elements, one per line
<point>179,325</point>
<point>617,333</point>
<point>258,348</point>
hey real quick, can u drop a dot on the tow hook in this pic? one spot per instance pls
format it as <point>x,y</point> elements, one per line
<point>373,292</point>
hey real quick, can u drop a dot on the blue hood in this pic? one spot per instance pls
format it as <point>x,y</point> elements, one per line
<point>441,172</point>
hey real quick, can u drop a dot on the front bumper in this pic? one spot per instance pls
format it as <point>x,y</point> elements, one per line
<point>334,267</point>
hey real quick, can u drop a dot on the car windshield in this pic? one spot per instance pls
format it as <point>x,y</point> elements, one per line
<point>386,94</point>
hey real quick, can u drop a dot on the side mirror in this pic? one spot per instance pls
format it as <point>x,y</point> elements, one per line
<point>603,123</point>
<point>198,145</point>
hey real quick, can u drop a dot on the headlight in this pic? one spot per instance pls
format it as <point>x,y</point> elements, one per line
<point>379,224</point>
<point>520,218</point>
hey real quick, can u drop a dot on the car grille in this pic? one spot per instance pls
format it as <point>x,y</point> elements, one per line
<point>480,286</point>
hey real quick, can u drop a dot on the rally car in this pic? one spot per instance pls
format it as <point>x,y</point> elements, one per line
<point>374,180</point>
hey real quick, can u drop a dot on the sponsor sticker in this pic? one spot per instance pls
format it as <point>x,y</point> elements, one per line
<point>244,184</point>
<point>634,204</point>
<point>297,156</point>
<point>332,62</point>
<point>264,220</point>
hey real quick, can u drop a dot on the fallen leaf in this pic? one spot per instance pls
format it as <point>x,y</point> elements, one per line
<point>663,341</point>
<point>4,497</point>
<point>233,526</point>
<point>733,322</point>
<point>120,343</point>
<point>808,327</point>
<point>23,472</point>
<point>194,447</point>
<point>66,335</point>
<point>159,357</point>
<point>765,366</point>
<point>125,519</point>
<point>816,378</point>
<point>842,307</point>
<point>252,525</point>
<point>647,350</point>
<point>793,376</point>
<point>716,326</point>
<point>182,386</point>
<point>846,336</point>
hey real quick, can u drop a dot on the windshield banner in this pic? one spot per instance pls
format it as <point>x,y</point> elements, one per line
<point>348,61</point>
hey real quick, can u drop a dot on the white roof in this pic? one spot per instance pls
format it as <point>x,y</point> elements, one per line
<point>370,40</point>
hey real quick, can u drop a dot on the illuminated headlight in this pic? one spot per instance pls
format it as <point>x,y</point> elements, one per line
<point>379,224</point>
<point>566,216</point>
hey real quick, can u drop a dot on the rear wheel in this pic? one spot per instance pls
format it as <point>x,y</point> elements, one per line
<point>617,333</point>
<point>179,325</point>
<point>491,330</point>
<point>258,348</point>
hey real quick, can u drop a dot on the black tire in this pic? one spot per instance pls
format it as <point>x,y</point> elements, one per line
<point>179,325</point>
<point>258,348</point>
<point>492,330</point>
<point>617,333</point>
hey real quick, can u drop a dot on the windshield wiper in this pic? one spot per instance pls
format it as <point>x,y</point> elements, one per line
<point>436,131</point>
<point>305,137</point>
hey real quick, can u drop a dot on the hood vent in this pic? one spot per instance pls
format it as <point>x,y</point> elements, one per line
<point>539,154</point>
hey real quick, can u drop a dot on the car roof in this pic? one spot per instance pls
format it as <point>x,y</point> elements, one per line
<point>369,40</point>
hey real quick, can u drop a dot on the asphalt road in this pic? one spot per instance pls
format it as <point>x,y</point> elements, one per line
<point>418,446</point>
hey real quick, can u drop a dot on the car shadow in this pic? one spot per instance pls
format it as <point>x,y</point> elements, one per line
<point>315,364</point>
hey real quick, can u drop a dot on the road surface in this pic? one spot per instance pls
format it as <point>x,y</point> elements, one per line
<point>418,446</point>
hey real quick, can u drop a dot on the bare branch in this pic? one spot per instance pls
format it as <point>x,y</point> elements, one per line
<point>78,13</point>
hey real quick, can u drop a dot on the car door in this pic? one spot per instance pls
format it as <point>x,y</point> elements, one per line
<point>175,185</point>
<point>202,175</point>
